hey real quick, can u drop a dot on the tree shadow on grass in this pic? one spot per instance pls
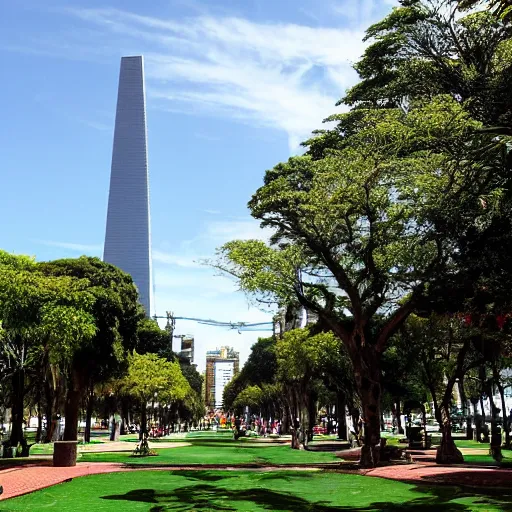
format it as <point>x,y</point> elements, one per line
<point>210,497</point>
<point>215,476</point>
<point>204,476</point>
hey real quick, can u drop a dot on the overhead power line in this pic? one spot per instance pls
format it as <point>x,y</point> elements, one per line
<point>239,326</point>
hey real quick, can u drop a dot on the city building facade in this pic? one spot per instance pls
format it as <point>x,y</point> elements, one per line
<point>187,348</point>
<point>221,366</point>
<point>128,232</point>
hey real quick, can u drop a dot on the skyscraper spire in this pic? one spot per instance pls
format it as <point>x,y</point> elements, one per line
<point>128,233</point>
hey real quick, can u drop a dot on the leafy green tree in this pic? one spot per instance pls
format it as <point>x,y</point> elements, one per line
<point>299,358</point>
<point>251,396</point>
<point>117,314</point>
<point>151,378</point>
<point>447,350</point>
<point>194,378</point>
<point>41,317</point>
<point>502,379</point>
<point>423,49</point>
<point>500,8</point>
<point>363,234</point>
<point>400,371</point>
<point>260,368</point>
<point>151,338</point>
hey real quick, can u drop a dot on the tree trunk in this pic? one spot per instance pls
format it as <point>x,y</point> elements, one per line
<point>143,420</point>
<point>48,412</point>
<point>115,427</point>
<point>495,447</point>
<point>447,453</point>
<point>506,423</point>
<point>125,413</point>
<point>295,416</point>
<point>143,434</point>
<point>370,398</point>
<point>477,421</point>
<point>39,432</point>
<point>311,412</point>
<point>501,390</point>
<point>18,399</point>
<point>88,415</point>
<point>398,414</point>
<point>285,423</point>
<point>355,414</point>
<point>72,408</point>
<point>341,415</point>
<point>367,377</point>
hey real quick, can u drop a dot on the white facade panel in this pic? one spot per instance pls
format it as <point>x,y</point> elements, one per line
<point>224,372</point>
<point>128,233</point>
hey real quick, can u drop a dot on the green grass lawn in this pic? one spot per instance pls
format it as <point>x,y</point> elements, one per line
<point>467,443</point>
<point>483,458</point>
<point>195,434</point>
<point>215,452</point>
<point>19,461</point>
<point>47,448</point>
<point>245,491</point>
<point>486,460</point>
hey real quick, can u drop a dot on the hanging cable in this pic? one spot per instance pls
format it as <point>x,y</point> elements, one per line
<point>239,326</point>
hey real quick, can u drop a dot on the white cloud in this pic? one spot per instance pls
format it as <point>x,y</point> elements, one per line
<point>180,260</point>
<point>362,13</point>
<point>199,281</point>
<point>190,253</point>
<point>359,12</point>
<point>277,75</point>
<point>237,229</point>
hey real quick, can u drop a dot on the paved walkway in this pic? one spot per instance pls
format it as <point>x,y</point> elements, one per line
<point>30,478</point>
<point>25,479</point>
<point>435,474</point>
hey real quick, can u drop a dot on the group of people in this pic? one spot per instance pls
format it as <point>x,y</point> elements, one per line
<point>259,426</point>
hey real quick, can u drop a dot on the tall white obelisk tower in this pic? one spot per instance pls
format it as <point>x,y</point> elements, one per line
<point>128,233</point>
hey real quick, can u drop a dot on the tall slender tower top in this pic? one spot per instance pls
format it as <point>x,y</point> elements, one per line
<point>128,233</point>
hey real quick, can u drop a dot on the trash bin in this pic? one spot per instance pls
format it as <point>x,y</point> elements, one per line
<point>496,437</point>
<point>64,453</point>
<point>415,436</point>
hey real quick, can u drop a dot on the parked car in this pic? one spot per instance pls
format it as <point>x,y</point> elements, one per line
<point>318,429</point>
<point>432,426</point>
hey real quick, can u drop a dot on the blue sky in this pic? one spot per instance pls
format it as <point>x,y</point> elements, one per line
<point>232,89</point>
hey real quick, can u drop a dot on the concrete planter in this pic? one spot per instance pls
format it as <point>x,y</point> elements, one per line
<point>64,453</point>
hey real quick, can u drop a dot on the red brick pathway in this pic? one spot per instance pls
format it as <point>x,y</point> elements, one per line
<point>24,479</point>
<point>434,474</point>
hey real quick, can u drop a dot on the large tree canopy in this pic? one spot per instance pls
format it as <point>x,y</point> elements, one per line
<point>500,8</point>
<point>117,313</point>
<point>42,318</point>
<point>423,49</point>
<point>363,234</point>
